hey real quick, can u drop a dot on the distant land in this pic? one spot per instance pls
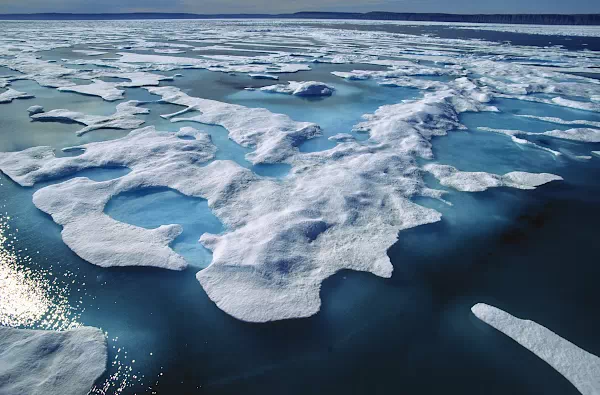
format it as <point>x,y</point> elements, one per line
<point>532,19</point>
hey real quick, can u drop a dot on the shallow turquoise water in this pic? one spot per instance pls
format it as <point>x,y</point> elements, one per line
<point>155,207</point>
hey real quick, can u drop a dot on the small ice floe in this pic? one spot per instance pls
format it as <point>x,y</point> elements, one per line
<point>35,110</point>
<point>10,94</point>
<point>480,181</point>
<point>263,76</point>
<point>578,366</point>
<point>587,135</point>
<point>106,90</point>
<point>307,89</point>
<point>342,137</point>
<point>563,121</point>
<point>123,118</point>
<point>50,362</point>
<point>89,52</point>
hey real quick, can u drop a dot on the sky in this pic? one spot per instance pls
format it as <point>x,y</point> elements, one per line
<point>285,6</point>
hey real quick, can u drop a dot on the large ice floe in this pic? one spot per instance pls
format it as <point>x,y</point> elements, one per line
<point>37,362</point>
<point>339,208</point>
<point>578,366</point>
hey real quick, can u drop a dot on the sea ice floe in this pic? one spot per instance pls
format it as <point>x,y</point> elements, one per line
<point>480,181</point>
<point>89,232</point>
<point>35,110</point>
<point>136,78</point>
<point>342,137</point>
<point>563,121</point>
<point>225,64</point>
<point>263,76</point>
<point>274,137</point>
<point>10,94</point>
<point>588,135</point>
<point>106,90</point>
<point>44,73</point>
<point>123,118</point>
<point>36,362</point>
<point>398,69</point>
<point>306,89</point>
<point>578,366</point>
<point>89,52</point>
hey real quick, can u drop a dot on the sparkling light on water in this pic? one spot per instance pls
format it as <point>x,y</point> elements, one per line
<point>30,296</point>
<point>33,297</point>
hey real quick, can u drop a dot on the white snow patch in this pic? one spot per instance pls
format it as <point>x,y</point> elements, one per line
<point>89,52</point>
<point>263,76</point>
<point>10,94</point>
<point>123,118</point>
<point>480,181</point>
<point>106,90</point>
<point>587,135</point>
<point>578,366</point>
<point>275,137</point>
<point>307,88</point>
<point>35,362</point>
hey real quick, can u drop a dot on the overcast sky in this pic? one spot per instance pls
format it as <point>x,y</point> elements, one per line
<point>275,6</point>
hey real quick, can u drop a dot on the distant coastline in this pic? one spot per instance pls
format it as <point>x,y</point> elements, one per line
<point>531,19</point>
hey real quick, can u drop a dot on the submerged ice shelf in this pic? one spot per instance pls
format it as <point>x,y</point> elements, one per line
<point>284,203</point>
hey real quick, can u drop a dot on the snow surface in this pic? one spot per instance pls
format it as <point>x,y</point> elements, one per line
<point>588,135</point>
<point>35,362</point>
<point>264,76</point>
<point>10,94</point>
<point>578,366</point>
<point>275,137</point>
<point>106,90</point>
<point>89,52</point>
<point>123,118</point>
<point>480,181</point>
<point>35,110</point>
<point>89,232</point>
<point>307,88</point>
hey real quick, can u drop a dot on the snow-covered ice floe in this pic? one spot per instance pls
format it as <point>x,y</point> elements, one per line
<point>307,89</point>
<point>89,232</point>
<point>275,137</point>
<point>10,94</point>
<point>578,366</point>
<point>123,118</point>
<point>37,362</point>
<point>263,76</point>
<point>481,181</point>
